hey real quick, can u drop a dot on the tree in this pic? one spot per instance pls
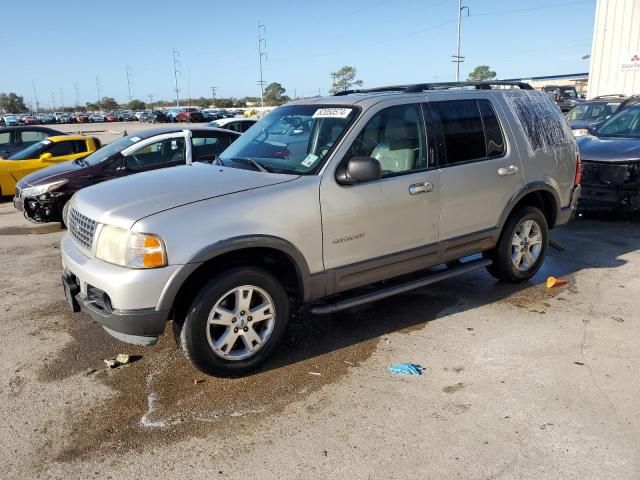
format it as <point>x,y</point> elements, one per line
<point>12,103</point>
<point>344,79</point>
<point>137,105</point>
<point>108,103</point>
<point>92,106</point>
<point>480,73</point>
<point>274,94</point>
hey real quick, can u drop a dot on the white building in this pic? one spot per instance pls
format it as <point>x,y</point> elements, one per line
<point>615,53</point>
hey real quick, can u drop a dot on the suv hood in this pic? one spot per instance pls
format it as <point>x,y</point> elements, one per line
<point>609,149</point>
<point>124,201</point>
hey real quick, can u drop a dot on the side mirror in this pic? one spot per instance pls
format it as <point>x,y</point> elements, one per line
<point>358,170</point>
<point>46,156</point>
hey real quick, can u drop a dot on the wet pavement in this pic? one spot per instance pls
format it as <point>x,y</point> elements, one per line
<point>69,416</point>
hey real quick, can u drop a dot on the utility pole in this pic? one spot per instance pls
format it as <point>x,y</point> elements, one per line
<point>150,97</point>
<point>61,100</point>
<point>53,100</point>
<point>99,90</point>
<point>213,95</point>
<point>35,95</point>
<point>262,44</point>
<point>333,82</point>
<point>189,89</point>
<point>457,58</point>
<point>77,94</point>
<point>176,72</point>
<point>127,69</point>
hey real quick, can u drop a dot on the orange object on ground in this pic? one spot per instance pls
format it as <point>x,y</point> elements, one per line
<point>555,282</point>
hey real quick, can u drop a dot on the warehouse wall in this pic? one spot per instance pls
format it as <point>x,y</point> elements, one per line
<point>615,53</point>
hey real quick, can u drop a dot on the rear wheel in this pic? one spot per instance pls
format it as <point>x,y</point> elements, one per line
<point>235,322</point>
<point>522,246</point>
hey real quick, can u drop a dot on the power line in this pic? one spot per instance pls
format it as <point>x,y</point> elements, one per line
<point>527,9</point>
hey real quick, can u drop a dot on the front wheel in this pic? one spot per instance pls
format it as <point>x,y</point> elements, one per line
<point>235,322</point>
<point>522,246</point>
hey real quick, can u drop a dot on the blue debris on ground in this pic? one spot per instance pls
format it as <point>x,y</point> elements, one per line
<point>406,369</point>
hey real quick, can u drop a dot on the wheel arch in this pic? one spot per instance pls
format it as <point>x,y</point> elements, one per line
<point>538,194</point>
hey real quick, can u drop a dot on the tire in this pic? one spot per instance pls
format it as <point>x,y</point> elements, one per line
<point>506,254</point>
<point>234,358</point>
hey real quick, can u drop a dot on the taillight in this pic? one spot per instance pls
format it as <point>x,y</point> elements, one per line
<point>578,178</point>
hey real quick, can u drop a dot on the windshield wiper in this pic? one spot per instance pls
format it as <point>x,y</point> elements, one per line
<point>253,163</point>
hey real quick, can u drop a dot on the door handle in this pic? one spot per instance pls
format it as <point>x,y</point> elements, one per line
<point>510,170</point>
<point>422,187</point>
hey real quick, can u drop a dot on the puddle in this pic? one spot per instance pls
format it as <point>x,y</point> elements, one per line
<point>163,398</point>
<point>31,230</point>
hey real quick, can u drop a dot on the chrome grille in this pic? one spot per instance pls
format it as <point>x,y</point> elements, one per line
<point>81,228</point>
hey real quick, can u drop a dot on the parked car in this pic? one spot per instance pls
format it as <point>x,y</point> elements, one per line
<point>47,152</point>
<point>47,118</point>
<point>14,139</point>
<point>80,117</point>
<point>125,116</point>
<point>110,117</point>
<point>191,115</point>
<point>565,97</point>
<point>157,116</point>
<point>592,113</point>
<point>9,120</point>
<point>96,118</point>
<point>224,249</point>
<point>43,194</point>
<point>211,114</point>
<point>236,124</point>
<point>611,163</point>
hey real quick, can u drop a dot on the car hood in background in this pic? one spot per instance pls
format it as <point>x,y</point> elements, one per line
<point>53,173</point>
<point>124,201</point>
<point>609,149</point>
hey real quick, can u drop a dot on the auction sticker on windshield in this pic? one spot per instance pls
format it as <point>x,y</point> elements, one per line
<point>310,160</point>
<point>332,113</point>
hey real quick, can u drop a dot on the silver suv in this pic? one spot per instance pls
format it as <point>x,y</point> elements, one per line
<point>320,198</point>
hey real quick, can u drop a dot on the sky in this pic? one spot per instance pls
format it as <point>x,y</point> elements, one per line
<point>58,45</point>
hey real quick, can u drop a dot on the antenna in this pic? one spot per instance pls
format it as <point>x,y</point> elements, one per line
<point>35,95</point>
<point>262,45</point>
<point>176,72</point>
<point>99,90</point>
<point>127,69</point>
<point>457,58</point>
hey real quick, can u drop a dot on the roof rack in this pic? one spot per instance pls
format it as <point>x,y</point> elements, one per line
<point>610,95</point>
<point>420,87</point>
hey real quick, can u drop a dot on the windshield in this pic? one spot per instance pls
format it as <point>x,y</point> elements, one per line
<point>623,124</point>
<point>592,112</point>
<point>569,94</point>
<point>291,139</point>
<point>33,151</point>
<point>108,151</point>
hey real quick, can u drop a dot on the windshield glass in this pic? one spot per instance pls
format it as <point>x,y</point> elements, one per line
<point>592,112</point>
<point>623,124</point>
<point>106,152</point>
<point>33,151</point>
<point>569,94</point>
<point>292,139</point>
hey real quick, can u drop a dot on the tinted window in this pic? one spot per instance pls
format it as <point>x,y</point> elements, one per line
<point>5,138</point>
<point>164,151</point>
<point>462,130</point>
<point>395,138</point>
<point>206,148</point>
<point>32,137</point>
<point>492,133</point>
<point>63,148</point>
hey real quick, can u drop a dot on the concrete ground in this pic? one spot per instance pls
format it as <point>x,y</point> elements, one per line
<point>521,382</point>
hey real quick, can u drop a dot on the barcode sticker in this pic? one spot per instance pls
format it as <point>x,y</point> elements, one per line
<point>309,160</point>
<point>332,113</point>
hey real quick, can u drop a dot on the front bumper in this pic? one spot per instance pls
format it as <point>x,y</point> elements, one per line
<point>42,209</point>
<point>124,301</point>
<point>568,212</point>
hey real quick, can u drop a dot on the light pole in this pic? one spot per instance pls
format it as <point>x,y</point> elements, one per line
<point>457,58</point>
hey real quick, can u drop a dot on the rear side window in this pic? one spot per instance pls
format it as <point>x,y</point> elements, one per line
<point>492,133</point>
<point>461,123</point>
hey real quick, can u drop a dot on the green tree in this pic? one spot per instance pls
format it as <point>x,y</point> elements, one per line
<point>12,103</point>
<point>274,95</point>
<point>137,105</point>
<point>108,103</point>
<point>92,106</point>
<point>344,79</point>
<point>480,73</point>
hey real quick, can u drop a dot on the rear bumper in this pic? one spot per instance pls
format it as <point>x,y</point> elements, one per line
<point>567,213</point>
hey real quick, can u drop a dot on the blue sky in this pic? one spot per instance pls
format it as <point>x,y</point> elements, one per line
<point>389,42</point>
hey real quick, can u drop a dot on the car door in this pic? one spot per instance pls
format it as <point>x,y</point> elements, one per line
<point>161,151</point>
<point>389,226</point>
<point>480,170</point>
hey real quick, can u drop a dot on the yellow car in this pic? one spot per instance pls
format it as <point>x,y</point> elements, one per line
<point>50,151</point>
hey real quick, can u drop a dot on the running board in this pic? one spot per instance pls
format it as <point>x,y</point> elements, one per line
<point>384,292</point>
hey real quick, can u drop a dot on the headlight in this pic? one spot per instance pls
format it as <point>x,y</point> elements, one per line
<point>579,132</point>
<point>40,189</point>
<point>130,249</point>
